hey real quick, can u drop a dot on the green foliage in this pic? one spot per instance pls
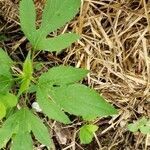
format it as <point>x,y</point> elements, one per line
<point>49,107</point>
<point>74,96</point>
<point>6,79</point>
<point>142,125</point>
<point>57,91</point>
<point>5,60</point>
<point>57,43</point>
<point>86,133</point>
<point>56,14</point>
<point>54,17</point>
<point>3,110</point>
<point>22,141</point>
<point>19,127</point>
<point>62,75</point>
<point>57,87</point>
<point>26,75</point>
<point>8,99</point>
<point>27,19</point>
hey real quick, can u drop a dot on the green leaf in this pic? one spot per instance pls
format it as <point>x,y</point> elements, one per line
<point>6,82</point>
<point>4,69</point>
<point>56,76</point>
<point>22,141</point>
<point>79,100</point>
<point>28,122</point>
<point>145,129</point>
<point>39,130</point>
<point>25,83</point>
<point>57,43</point>
<point>2,110</point>
<point>27,75</point>
<point>5,136</point>
<point>27,19</point>
<point>18,126</point>
<point>62,75</point>
<point>54,89</point>
<point>86,133</point>
<point>5,60</point>
<point>142,124</point>
<point>56,14</point>
<point>27,67</point>
<point>51,109</point>
<point>8,99</point>
<point>133,127</point>
<point>23,120</point>
<point>32,88</point>
<point>5,75</point>
<point>9,127</point>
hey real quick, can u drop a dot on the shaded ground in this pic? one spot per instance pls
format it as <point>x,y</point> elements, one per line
<point>115,47</point>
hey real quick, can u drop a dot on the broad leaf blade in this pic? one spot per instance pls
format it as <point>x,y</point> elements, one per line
<point>145,129</point>
<point>24,122</point>
<point>28,19</point>
<point>22,141</point>
<point>20,125</point>
<point>57,43</point>
<point>142,124</point>
<point>51,109</point>
<point>79,100</point>
<point>6,81</point>
<point>9,127</point>
<point>5,75</point>
<point>86,133</point>
<point>8,99</point>
<point>57,13</point>
<point>5,135</point>
<point>39,130</point>
<point>133,127</point>
<point>5,59</point>
<point>2,110</point>
<point>62,75</point>
<point>25,83</point>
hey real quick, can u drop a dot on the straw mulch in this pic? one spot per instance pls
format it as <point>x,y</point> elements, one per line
<point>115,47</point>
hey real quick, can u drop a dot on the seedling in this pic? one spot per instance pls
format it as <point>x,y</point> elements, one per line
<point>86,133</point>
<point>57,91</point>
<point>142,125</point>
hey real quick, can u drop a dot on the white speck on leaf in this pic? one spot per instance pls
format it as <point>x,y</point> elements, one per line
<point>36,107</point>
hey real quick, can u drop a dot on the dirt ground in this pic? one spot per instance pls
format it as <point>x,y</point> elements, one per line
<point>115,47</point>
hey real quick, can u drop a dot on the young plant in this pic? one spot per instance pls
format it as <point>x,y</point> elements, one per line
<point>57,91</point>
<point>142,125</point>
<point>86,133</point>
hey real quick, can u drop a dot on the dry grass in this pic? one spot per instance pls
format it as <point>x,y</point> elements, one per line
<point>115,47</point>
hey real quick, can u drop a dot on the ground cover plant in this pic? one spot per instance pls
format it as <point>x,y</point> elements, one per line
<point>58,90</point>
<point>114,46</point>
<point>142,125</point>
